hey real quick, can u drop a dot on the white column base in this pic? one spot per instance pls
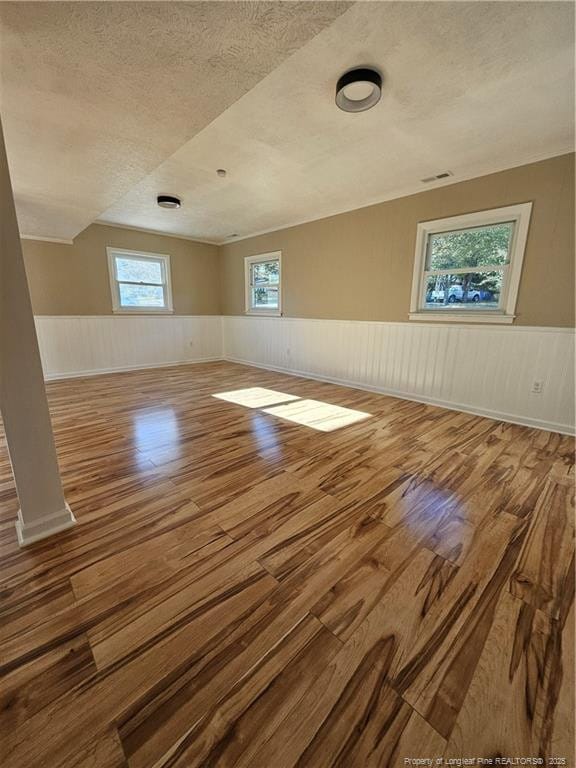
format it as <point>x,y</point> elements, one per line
<point>29,534</point>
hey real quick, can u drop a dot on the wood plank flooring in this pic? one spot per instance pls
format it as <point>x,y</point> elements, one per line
<point>244,590</point>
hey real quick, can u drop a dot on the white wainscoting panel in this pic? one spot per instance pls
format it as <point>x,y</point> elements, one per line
<point>85,345</point>
<point>483,369</point>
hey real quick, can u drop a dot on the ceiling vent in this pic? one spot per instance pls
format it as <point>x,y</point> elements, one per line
<point>443,175</point>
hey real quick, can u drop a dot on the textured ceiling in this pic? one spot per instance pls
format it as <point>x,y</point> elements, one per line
<point>95,95</point>
<point>469,87</point>
<point>109,106</point>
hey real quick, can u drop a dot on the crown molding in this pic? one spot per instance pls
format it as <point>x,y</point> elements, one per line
<point>47,239</point>
<point>155,232</point>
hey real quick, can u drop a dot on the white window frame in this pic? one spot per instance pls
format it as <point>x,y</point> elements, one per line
<point>257,259</point>
<point>520,215</point>
<point>162,258</point>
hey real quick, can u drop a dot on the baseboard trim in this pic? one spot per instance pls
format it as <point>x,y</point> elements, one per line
<point>56,523</point>
<point>524,421</point>
<point>125,368</point>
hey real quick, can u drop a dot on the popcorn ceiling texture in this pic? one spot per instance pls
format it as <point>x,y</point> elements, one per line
<point>95,95</point>
<point>108,104</point>
<point>469,87</point>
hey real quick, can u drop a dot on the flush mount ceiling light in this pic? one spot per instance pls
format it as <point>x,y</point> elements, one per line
<point>221,172</point>
<point>359,89</point>
<point>168,201</point>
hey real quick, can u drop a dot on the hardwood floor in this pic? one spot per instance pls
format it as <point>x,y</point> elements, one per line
<point>244,590</point>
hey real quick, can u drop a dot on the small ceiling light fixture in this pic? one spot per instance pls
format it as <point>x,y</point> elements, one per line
<point>359,89</point>
<point>221,172</point>
<point>168,201</point>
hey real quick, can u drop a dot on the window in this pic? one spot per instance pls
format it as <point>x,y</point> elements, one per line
<point>262,280</point>
<point>468,267</point>
<point>140,282</point>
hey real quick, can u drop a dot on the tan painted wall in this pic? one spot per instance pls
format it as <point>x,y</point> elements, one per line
<point>354,266</point>
<point>358,265</point>
<point>73,279</point>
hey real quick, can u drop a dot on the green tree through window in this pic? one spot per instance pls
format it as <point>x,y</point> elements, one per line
<point>478,249</point>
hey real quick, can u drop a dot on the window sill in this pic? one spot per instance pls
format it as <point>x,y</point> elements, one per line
<point>263,313</point>
<point>463,317</point>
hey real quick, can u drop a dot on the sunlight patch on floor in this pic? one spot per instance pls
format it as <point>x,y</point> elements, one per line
<point>318,415</point>
<point>255,397</point>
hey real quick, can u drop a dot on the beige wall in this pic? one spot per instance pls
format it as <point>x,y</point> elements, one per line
<point>73,279</point>
<point>358,265</point>
<point>354,266</point>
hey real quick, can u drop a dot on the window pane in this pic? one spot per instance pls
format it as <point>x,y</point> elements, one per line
<point>265,298</point>
<point>145,271</point>
<point>265,272</point>
<point>480,246</point>
<point>141,295</point>
<point>474,290</point>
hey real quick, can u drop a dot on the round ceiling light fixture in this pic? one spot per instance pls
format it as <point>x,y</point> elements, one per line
<point>359,89</point>
<point>168,201</point>
<point>221,172</point>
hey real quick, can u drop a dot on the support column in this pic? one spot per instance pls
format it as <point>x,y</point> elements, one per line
<point>43,509</point>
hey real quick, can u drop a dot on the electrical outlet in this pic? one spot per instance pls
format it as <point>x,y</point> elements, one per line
<point>537,387</point>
